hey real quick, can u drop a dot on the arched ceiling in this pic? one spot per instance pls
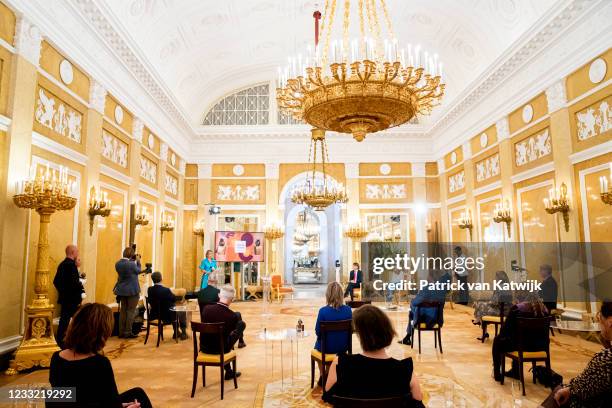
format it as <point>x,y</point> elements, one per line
<point>201,50</point>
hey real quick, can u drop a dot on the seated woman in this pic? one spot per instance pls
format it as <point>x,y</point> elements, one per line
<point>384,377</point>
<point>335,342</point>
<point>82,365</point>
<point>491,307</point>
<point>529,305</point>
<point>593,387</point>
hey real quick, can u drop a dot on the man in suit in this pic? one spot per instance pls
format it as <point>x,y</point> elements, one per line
<point>69,290</point>
<point>162,299</point>
<point>127,290</point>
<point>210,294</point>
<point>355,279</point>
<point>461,274</point>
<point>549,290</point>
<point>233,326</point>
<point>427,315</point>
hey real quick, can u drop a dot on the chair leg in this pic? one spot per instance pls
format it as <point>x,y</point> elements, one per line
<point>419,330</point>
<point>195,380</point>
<point>203,376</point>
<point>412,338</point>
<point>484,331</point>
<point>552,331</point>
<point>235,371</point>
<point>435,340</point>
<point>496,328</point>
<point>221,368</point>
<point>323,375</point>
<point>160,333</point>
<point>521,375</point>
<point>147,335</point>
<point>503,369</point>
<point>440,340</point>
<point>312,364</point>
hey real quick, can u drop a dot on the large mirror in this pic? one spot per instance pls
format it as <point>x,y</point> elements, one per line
<point>306,247</point>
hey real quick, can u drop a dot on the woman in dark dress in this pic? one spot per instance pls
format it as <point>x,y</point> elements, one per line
<point>373,374</point>
<point>82,366</point>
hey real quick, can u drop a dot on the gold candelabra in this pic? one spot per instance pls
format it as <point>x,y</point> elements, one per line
<point>605,187</point>
<point>360,85</point>
<point>558,202</point>
<point>141,217</point>
<point>45,192</point>
<point>320,190</point>
<point>465,222</point>
<point>502,213</point>
<point>99,205</point>
<point>272,233</point>
<point>198,229</point>
<point>356,233</point>
<point>167,225</point>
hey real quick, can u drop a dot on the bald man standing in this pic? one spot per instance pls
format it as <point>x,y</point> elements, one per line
<point>69,290</point>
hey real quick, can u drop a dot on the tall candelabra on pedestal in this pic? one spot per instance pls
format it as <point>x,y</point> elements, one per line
<point>47,192</point>
<point>356,233</point>
<point>271,233</point>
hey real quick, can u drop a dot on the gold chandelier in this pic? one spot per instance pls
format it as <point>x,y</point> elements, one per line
<point>320,190</point>
<point>361,85</point>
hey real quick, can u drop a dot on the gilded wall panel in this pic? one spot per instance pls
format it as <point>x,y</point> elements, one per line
<point>483,140</point>
<point>533,110</point>
<point>456,183</point>
<point>491,234</point>
<point>171,184</point>
<point>59,116</point>
<point>63,70</point>
<point>532,148</point>
<point>191,170</point>
<point>145,234</point>
<point>7,24</point>
<point>5,69</point>
<point>118,115</point>
<point>591,120</point>
<point>238,170</point>
<point>385,169</point>
<point>232,191</point>
<point>431,169</point>
<point>173,159</point>
<point>453,158</point>
<point>148,170</point>
<point>150,141</point>
<point>432,189</point>
<point>115,149</point>
<point>487,170</point>
<point>111,234</point>
<point>191,192</point>
<point>168,251</point>
<point>385,190</point>
<point>589,76</point>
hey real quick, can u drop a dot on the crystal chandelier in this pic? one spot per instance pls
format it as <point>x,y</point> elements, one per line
<point>307,225</point>
<point>359,85</point>
<point>320,190</point>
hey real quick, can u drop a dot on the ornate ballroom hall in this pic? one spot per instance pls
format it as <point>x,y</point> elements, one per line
<point>270,152</point>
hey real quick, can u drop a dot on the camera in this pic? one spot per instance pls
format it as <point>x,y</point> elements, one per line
<point>148,267</point>
<point>214,209</point>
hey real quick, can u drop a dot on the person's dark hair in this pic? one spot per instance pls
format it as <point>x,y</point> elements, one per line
<point>156,277</point>
<point>606,309</point>
<point>373,327</point>
<point>128,252</point>
<point>547,268</point>
<point>356,264</point>
<point>457,249</point>
<point>89,328</point>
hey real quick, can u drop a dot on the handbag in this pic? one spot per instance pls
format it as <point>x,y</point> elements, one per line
<point>550,401</point>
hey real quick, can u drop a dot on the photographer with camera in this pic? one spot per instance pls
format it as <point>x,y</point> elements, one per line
<point>127,290</point>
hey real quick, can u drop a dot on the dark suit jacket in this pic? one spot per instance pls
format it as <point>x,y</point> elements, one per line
<point>127,279</point>
<point>509,329</point>
<point>162,299</point>
<point>209,294</point>
<point>359,276</point>
<point>217,313</point>
<point>67,283</point>
<point>548,293</point>
<point>429,315</point>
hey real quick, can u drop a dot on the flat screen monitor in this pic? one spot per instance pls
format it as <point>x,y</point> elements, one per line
<point>234,246</point>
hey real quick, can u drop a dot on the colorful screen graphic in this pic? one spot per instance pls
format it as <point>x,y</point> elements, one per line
<point>232,246</point>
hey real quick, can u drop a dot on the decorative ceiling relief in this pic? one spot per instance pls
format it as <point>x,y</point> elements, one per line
<point>594,120</point>
<point>487,168</point>
<point>58,116</point>
<point>114,149</point>
<point>456,182</point>
<point>148,170</point>
<point>385,191</point>
<point>171,184</point>
<point>237,192</point>
<point>532,148</point>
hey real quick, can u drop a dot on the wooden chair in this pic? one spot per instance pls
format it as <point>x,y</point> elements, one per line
<point>354,304</point>
<point>435,327</point>
<point>321,356</point>
<point>278,288</point>
<point>528,329</point>
<point>213,360</point>
<point>558,313</point>
<point>498,321</point>
<point>159,323</point>
<point>391,402</point>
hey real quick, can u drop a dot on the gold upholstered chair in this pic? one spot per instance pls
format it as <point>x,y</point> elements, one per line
<point>436,309</point>
<point>497,321</point>
<point>203,360</point>
<point>321,357</point>
<point>279,289</point>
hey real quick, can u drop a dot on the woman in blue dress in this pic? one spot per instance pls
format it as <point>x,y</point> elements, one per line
<point>207,266</point>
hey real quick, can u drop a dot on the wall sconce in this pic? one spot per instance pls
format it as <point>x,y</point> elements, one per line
<point>558,201</point>
<point>198,228</point>
<point>502,213</point>
<point>99,204</point>
<point>606,188</point>
<point>141,217</point>
<point>465,222</point>
<point>167,225</point>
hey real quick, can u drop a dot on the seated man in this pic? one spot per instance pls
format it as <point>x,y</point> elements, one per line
<point>549,290</point>
<point>426,295</point>
<point>233,326</point>
<point>210,294</point>
<point>355,280</point>
<point>160,295</point>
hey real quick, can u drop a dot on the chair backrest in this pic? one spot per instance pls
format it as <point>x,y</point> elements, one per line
<point>502,310</point>
<point>150,306</point>
<point>207,328</point>
<point>276,280</point>
<point>391,402</point>
<point>530,329</point>
<point>438,308</point>
<point>338,325</point>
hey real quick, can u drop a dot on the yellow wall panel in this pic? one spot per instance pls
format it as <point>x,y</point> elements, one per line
<point>170,179</point>
<point>579,83</point>
<point>527,152</point>
<point>110,110</point>
<point>480,142</point>
<point>191,192</point>
<point>395,169</point>
<point>150,163</point>
<point>191,170</point>
<point>110,156</point>
<point>431,169</point>
<point>456,233</point>
<point>150,141</point>
<point>5,70</point>
<point>539,108</point>
<point>591,120</point>
<point>458,156</point>
<point>7,24</point>
<point>385,190</point>
<point>145,233</point>
<point>238,191</point>
<point>432,189</point>
<point>227,170</point>
<point>50,60</point>
<point>455,182</point>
